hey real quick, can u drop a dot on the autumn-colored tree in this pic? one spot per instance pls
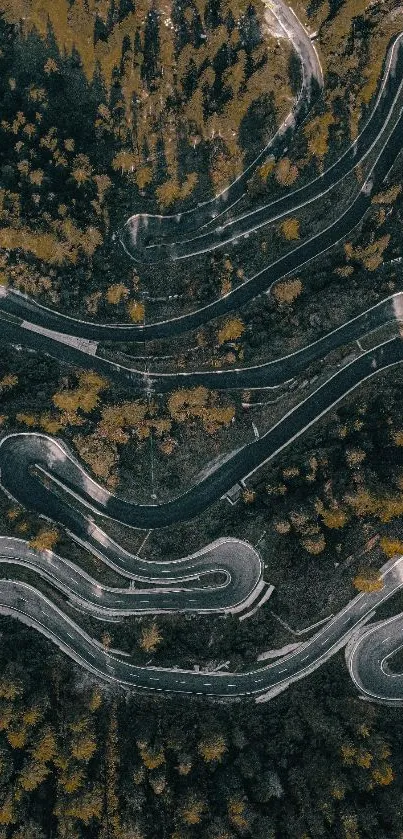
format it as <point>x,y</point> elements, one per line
<point>199,402</point>
<point>81,169</point>
<point>7,813</point>
<point>212,748</point>
<point>100,455</point>
<point>391,547</point>
<point>152,756</point>
<point>314,545</point>
<point>290,228</point>
<point>45,540</point>
<point>8,382</point>
<point>116,293</point>
<point>286,173</point>
<point>193,810</point>
<point>150,638</point>
<point>26,419</point>
<point>185,765</point>
<point>287,291</point>
<point>237,813</point>
<point>95,700</point>
<point>32,774</point>
<point>355,457</point>
<point>368,581</point>
<point>167,446</point>
<point>248,496</point>
<point>317,133</point>
<point>84,746</point>
<point>84,397</point>
<point>384,775</point>
<point>231,330</point>
<point>45,747</point>
<point>71,778</point>
<point>136,310</point>
<point>388,196</point>
<point>86,806</point>
<point>334,518</point>
<point>371,256</point>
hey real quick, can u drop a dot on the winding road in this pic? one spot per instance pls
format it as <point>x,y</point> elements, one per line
<point>21,600</point>
<point>43,475</point>
<point>144,226</point>
<point>230,231</point>
<point>172,586</point>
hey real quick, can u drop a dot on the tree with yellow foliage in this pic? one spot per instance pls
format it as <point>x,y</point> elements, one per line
<point>237,813</point>
<point>152,756</point>
<point>287,291</point>
<point>116,293</point>
<point>212,748</point>
<point>136,310</point>
<point>290,229</point>
<point>8,382</point>
<point>371,256</point>
<point>100,455</point>
<point>84,397</point>
<point>45,540</point>
<point>186,403</point>
<point>32,774</point>
<point>317,134</point>
<point>286,173</point>
<point>314,544</point>
<point>45,747</point>
<point>84,746</point>
<point>333,518</point>
<point>248,496</point>
<point>193,810</point>
<point>383,775</point>
<point>150,638</point>
<point>199,402</point>
<point>95,700</point>
<point>391,547</point>
<point>86,806</point>
<point>388,196</point>
<point>7,812</point>
<point>71,778</point>
<point>231,330</point>
<point>81,169</point>
<point>368,581</point>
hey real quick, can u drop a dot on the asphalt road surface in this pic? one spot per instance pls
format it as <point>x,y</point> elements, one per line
<point>271,374</point>
<point>20,600</point>
<point>172,586</point>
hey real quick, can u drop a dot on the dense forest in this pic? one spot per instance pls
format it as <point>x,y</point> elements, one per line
<point>77,761</point>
